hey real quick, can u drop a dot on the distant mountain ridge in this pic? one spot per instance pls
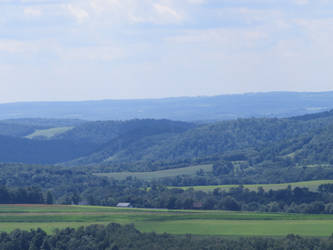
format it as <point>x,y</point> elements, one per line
<point>213,108</point>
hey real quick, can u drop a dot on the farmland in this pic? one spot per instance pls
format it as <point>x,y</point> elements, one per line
<point>192,170</point>
<point>311,185</point>
<point>48,133</point>
<point>171,221</point>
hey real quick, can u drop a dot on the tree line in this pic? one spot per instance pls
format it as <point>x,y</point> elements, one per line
<point>114,237</point>
<point>34,184</point>
<point>297,200</point>
<point>29,195</point>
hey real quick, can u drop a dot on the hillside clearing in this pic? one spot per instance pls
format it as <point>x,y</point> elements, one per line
<point>159,174</point>
<point>311,185</point>
<point>48,133</point>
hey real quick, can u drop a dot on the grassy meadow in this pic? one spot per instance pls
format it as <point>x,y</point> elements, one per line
<point>311,185</point>
<point>192,170</point>
<point>48,133</point>
<point>195,222</point>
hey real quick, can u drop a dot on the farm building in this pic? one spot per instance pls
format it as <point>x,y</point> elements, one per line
<point>124,204</point>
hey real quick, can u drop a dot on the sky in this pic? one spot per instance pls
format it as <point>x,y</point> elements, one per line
<point>54,50</point>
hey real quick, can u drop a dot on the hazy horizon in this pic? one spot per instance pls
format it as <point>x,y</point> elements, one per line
<point>161,98</point>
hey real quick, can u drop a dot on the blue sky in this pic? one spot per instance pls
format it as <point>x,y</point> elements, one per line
<point>100,49</point>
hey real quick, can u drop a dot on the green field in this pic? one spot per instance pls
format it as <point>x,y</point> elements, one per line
<point>159,174</point>
<point>311,185</point>
<point>48,133</point>
<point>170,221</point>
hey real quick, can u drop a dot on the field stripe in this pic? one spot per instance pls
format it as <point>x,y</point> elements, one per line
<point>225,223</point>
<point>311,185</point>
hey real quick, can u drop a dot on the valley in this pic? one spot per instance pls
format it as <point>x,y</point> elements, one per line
<point>253,177</point>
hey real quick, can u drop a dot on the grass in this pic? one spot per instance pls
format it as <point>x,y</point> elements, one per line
<point>196,222</point>
<point>158,174</point>
<point>244,228</point>
<point>48,133</point>
<point>311,185</point>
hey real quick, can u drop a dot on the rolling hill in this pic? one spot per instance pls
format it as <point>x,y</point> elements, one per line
<point>105,131</point>
<point>26,126</point>
<point>249,138</point>
<point>76,142</point>
<point>298,140</point>
<point>13,149</point>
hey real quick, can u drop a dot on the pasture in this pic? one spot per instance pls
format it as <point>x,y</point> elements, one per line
<point>48,133</point>
<point>197,222</point>
<point>192,170</point>
<point>311,185</point>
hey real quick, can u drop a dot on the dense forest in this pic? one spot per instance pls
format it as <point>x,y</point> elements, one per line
<point>114,236</point>
<point>81,141</point>
<point>148,145</point>
<point>256,139</point>
<point>30,195</point>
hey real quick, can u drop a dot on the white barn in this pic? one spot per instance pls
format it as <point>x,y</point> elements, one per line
<point>124,204</point>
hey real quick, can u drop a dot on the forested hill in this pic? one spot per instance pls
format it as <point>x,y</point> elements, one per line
<point>25,126</point>
<point>247,138</point>
<point>80,140</point>
<point>106,131</point>
<point>299,140</point>
<point>13,149</point>
<point>273,104</point>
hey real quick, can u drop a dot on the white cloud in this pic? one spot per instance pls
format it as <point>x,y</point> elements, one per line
<point>104,5</point>
<point>15,46</point>
<point>167,13</point>
<point>79,14</point>
<point>228,40</point>
<point>93,53</point>
<point>33,12</point>
<point>196,1</point>
<point>301,2</point>
<point>127,11</point>
<point>318,33</point>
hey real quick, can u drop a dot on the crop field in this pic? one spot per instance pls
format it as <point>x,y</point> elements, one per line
<point>159,174</point>
<point>311,185</point>
<point>195,222</point>
<point>48,133</point>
